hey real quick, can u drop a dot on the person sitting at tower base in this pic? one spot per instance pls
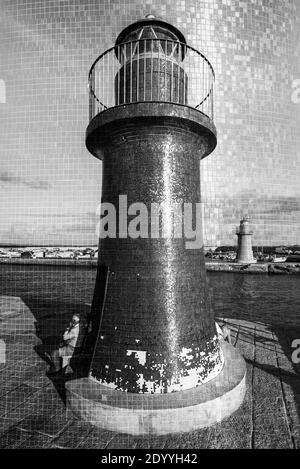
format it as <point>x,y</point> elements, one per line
<point>72,342</point>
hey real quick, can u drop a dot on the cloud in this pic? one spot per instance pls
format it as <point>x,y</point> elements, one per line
<point>9,178</point>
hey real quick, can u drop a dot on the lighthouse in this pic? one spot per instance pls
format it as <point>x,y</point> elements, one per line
<point>158,365</point>
<point>244,247</point>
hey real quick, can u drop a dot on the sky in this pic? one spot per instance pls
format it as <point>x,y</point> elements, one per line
<point>50,186</point>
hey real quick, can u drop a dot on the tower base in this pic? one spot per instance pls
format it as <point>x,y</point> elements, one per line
<point>159,414</point>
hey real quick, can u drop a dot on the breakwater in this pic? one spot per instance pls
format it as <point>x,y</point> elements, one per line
<point>288,268</point>
<point>259,268</point>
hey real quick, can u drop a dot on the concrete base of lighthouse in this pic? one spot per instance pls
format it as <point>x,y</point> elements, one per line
<point>144,414</point>
<point>251,261</point>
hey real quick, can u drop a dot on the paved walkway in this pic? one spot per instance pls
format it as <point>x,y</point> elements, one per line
<point>33,413</point>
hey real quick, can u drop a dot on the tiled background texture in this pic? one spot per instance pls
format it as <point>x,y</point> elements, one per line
<point>50,185</point>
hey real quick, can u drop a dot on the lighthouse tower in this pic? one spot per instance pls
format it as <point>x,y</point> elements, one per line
<point>244,248</point>
<point>158,365</point>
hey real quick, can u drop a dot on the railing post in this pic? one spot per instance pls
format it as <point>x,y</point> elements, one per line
<point>90,99</point>
<point>124,76</point>
<point>203,85</point>
<point>212,99</point>
<point>184,75</point>
<point>130,73</point>
<point>92,94</point>
<point>165,65</point>
<point>119,79</point>
<point>151,70</point>
<point>145,67</point>
<point>138,71</point>
<point>158,73</point>
<point>172,80</point>
<point>178,82</point>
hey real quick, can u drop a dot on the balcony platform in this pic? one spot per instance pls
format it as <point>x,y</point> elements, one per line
<point>134,115</point>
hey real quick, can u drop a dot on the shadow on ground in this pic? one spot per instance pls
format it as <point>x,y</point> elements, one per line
<point>262,311</point>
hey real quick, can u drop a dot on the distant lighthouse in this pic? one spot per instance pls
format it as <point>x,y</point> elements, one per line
<point>244,247</point>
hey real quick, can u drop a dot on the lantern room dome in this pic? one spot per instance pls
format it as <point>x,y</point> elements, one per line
<point>150,27</point>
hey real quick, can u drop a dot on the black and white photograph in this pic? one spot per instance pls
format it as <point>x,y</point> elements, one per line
<point>149,228</point>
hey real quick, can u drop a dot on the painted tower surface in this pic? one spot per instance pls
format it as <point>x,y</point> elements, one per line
<point>244,247</point>
<point>157,332</point>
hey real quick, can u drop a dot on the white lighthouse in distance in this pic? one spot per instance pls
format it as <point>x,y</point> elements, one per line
<point>244,247</point>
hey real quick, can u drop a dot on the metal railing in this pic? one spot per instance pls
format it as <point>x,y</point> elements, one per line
<point>155,70</point>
